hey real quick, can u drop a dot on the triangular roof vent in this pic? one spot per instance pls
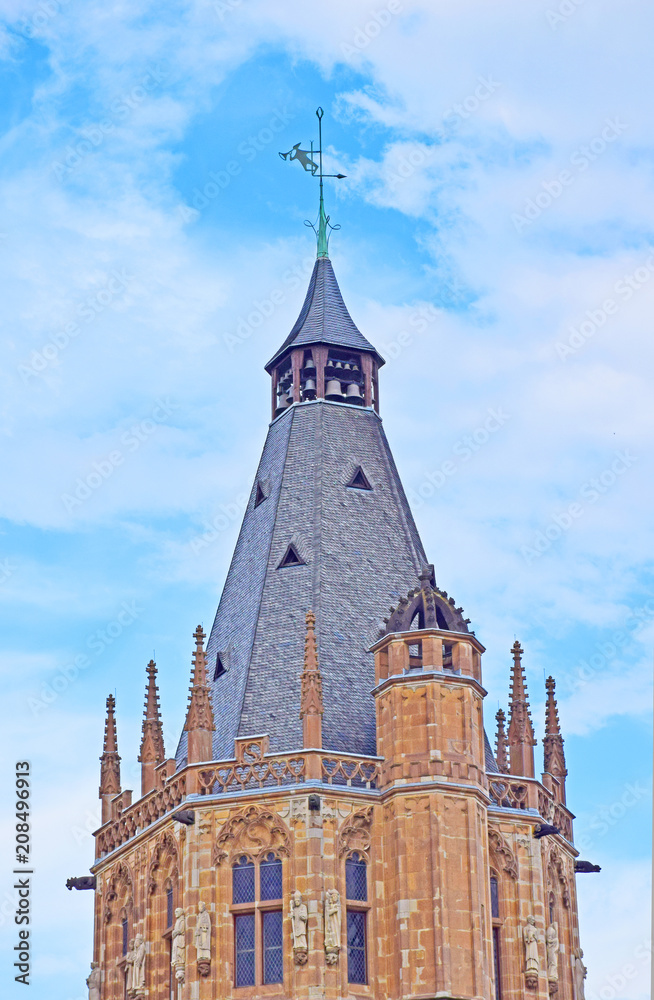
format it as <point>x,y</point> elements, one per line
<point>291,558</point>
<point>260,496</point>
<point>220,668</point>
<point>359,480</point>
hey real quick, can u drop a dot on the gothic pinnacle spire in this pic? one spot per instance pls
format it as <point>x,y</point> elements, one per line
<point>501,745</point>
<point>306,158</point>
<point>311,707</point>
<point>152,745</point>
<point>199,718</point>
<point>520,736</point>
<point>109,762</point>
<point>554,757</point>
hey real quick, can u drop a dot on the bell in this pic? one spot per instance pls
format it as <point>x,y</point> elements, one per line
<point>310,385</point>
<point>339,364</point>
<point>310,365</point>
<point>353,391</point>
<point>334,391</point>
<point>289,395</point>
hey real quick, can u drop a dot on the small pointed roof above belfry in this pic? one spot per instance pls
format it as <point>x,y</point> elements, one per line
<point>324,318</point>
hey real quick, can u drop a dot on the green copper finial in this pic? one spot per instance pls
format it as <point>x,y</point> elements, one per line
<point>305,157</point>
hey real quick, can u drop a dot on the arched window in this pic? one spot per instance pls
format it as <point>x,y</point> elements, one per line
<point>170,906</point>
<point>356,878</point>
<point>243,881</point>
<point>270,877</point>
<point>356,891</point>
<point>257,893</point>
<point>495,916</point>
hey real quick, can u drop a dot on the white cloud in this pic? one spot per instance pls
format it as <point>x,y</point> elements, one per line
<point>617,950</point>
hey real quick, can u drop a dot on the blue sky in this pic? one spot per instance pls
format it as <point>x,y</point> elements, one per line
<point>496,246</point>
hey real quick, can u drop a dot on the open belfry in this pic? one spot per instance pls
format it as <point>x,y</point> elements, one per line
<point>334,822</point>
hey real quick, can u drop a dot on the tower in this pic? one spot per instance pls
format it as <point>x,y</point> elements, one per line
<point>334,823</point>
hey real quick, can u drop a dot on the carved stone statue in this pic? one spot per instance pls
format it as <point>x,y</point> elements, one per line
<point>138,973</point>
<point>299,921</point>
<point>532,962</point>
<point>93,982</point>
<point>552,946</point>
<point>332,926</point>
<point>129,966</point>
<point>580,973</point>
<point>203,939</point>
<point>178,950</point>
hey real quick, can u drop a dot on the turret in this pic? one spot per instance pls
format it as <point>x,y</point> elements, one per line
<point>199,718</point>
<point>109,762</point>
<point>521,732</point>
<point>325,355</point>
<point>554,758</point>
<point>152,745</point>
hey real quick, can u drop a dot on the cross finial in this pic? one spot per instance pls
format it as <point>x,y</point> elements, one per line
<point>305,157</point>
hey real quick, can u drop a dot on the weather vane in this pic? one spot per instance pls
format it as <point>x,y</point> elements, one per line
<point>306,158</point>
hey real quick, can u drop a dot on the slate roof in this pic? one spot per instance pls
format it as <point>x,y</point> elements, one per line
<point>324,318</point>
<point>491,763</point>
<point>361,552</point>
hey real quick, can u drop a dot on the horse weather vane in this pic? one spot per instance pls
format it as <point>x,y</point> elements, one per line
<point>306,158</point>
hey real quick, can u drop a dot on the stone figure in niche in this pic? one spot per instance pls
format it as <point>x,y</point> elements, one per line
<point>332,925</point>
<point>299,921</point>
<point>203,939</point>
<point>129,966</point>
<point>532,963</point>
<point>552,945</point>
<point>93,982</point>
<point>178,950</point>
<point>580,973</point>
<point>138,973</point>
